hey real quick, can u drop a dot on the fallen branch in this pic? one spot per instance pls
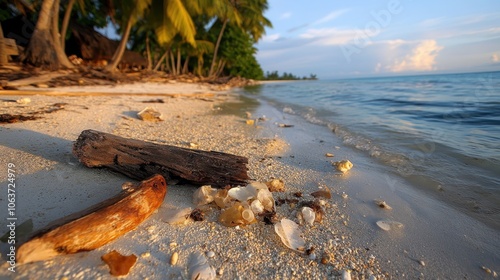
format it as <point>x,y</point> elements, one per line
<point>138,159</point>
<point>96,226</point>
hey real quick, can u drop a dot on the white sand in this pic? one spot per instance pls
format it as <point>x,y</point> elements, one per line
<point>51,184</point>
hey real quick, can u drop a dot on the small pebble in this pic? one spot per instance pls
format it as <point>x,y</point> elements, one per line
<point>421,262</point>
<point>174,258</point>
<point>145,255</point>
<point>220,271</point>
<point>344,195</point>
<point>210,254</point>
<point>312,256</point>
<point>172,244</point>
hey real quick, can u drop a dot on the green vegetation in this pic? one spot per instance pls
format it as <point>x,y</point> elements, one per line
<point>207,38</point>
<point>287,76</point>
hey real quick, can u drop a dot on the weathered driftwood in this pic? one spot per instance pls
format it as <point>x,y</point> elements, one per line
<point>98,225</point>
<point>138,159</point>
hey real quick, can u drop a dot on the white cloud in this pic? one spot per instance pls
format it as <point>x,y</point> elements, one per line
<point>421,58</point>
<point>378,67</point>
<point>286,15</point>
<point>495,58</point>
<point>432,22</point>
<point>331,16</point>
<point>270,38</point>
<point>330,36</point>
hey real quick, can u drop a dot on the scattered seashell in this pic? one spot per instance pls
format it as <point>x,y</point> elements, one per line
<point>266,198</point>
<point>489,271</point>
<point>232,216</point>
<point>346,275</point>
<point>220,271</point>
<point>210,254</point>
<point>118,264</point>
<point>204,195</point>
<point>222,199</point>
<point>24,100</point>
<point>312,256</point>
<point>308,215</point>
<point>145,255</point>
<point>285,125</point>
<point>177,216</point>
<point>343,165</point>
<point>250,122</point>
<point>174,258</point>
<point>328,155</point>
<point>198,267</point>
<point>388,224</point>
<point>344,195</point>
<point>172,244</point>
<point>382,204</point>
<point>193,145</point>
<point>325,193</point>
<point>289,233</point>
<point>372,277</point>
<point>248,216</point>
<point>241,193</point>
<point>318,210</point>
<point>257,207</point>
<point>150,114</point>
<point>276,185</point>
<point>421,262</point>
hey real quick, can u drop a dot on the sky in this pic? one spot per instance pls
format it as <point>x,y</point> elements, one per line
<point>337,39</point>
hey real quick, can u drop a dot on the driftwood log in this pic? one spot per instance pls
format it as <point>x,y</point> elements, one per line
<point>97,225</point>
<point>138,160</point>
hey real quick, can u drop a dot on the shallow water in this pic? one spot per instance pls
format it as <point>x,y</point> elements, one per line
<point>439,132</point>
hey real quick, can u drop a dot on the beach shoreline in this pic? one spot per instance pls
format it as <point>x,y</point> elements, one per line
<point>55,184</point>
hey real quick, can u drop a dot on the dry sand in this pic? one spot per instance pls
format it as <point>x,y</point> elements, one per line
<point>51,184</point>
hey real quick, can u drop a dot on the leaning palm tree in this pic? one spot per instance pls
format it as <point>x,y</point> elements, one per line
<point>169,17</point>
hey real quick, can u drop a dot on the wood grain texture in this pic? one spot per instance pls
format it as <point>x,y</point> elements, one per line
<point>97,225</point>
<point>139,159</point>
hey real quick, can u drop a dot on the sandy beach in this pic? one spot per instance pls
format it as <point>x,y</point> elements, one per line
<point>435,241</point>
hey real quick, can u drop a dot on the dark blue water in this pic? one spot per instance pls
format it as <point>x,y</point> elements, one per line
<point>441,132</point>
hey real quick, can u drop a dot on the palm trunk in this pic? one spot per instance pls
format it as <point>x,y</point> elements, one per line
<point>117,56</point>
<point>160,61</point>
<point>186,65</point>
<point>178,61</point>
<point>61,55</point>
<point>42,50</point>
<point>148,53</point>
<point>3,57</point>
<point>65,23</point>
<point>220,68</point>
<point>217,44</point>
<point>172,62</point>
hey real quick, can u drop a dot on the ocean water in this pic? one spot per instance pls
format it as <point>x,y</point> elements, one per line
<point>440,132</point>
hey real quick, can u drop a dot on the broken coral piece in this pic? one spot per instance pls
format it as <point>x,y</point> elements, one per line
<point>289,233</point>
<point>150,114</point>
<point>382,204</point>
<point>119,265</point>
<point>343,165</point>
<point>276,185</point>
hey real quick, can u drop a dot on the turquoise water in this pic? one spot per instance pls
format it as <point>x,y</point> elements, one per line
<point>440,132</point>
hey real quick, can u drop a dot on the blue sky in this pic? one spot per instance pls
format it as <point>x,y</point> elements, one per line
<point>389,37</point>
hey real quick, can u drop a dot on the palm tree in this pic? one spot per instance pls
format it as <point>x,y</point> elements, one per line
<point>67,15</point>
<point>44,48</point>
<point>169,17</point>
<point>253,21</point>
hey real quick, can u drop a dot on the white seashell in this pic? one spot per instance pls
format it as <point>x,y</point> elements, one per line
<point>346,275</point>
<point>241,193</point>
<point>150,114</point>
<point>372,277</point>
<point>174,258</point>
<point>388,224</point>
<point>308,215</point>
<point>257,207</point>
<point>343,165</point>
<point>210,254</point>
<point>248,215</point>
<point>199,268</point>
<point>204,195</point>
<point>289,233</point>
<point>266,198</point>
<point>382,204</point>
<point>177,216</point>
